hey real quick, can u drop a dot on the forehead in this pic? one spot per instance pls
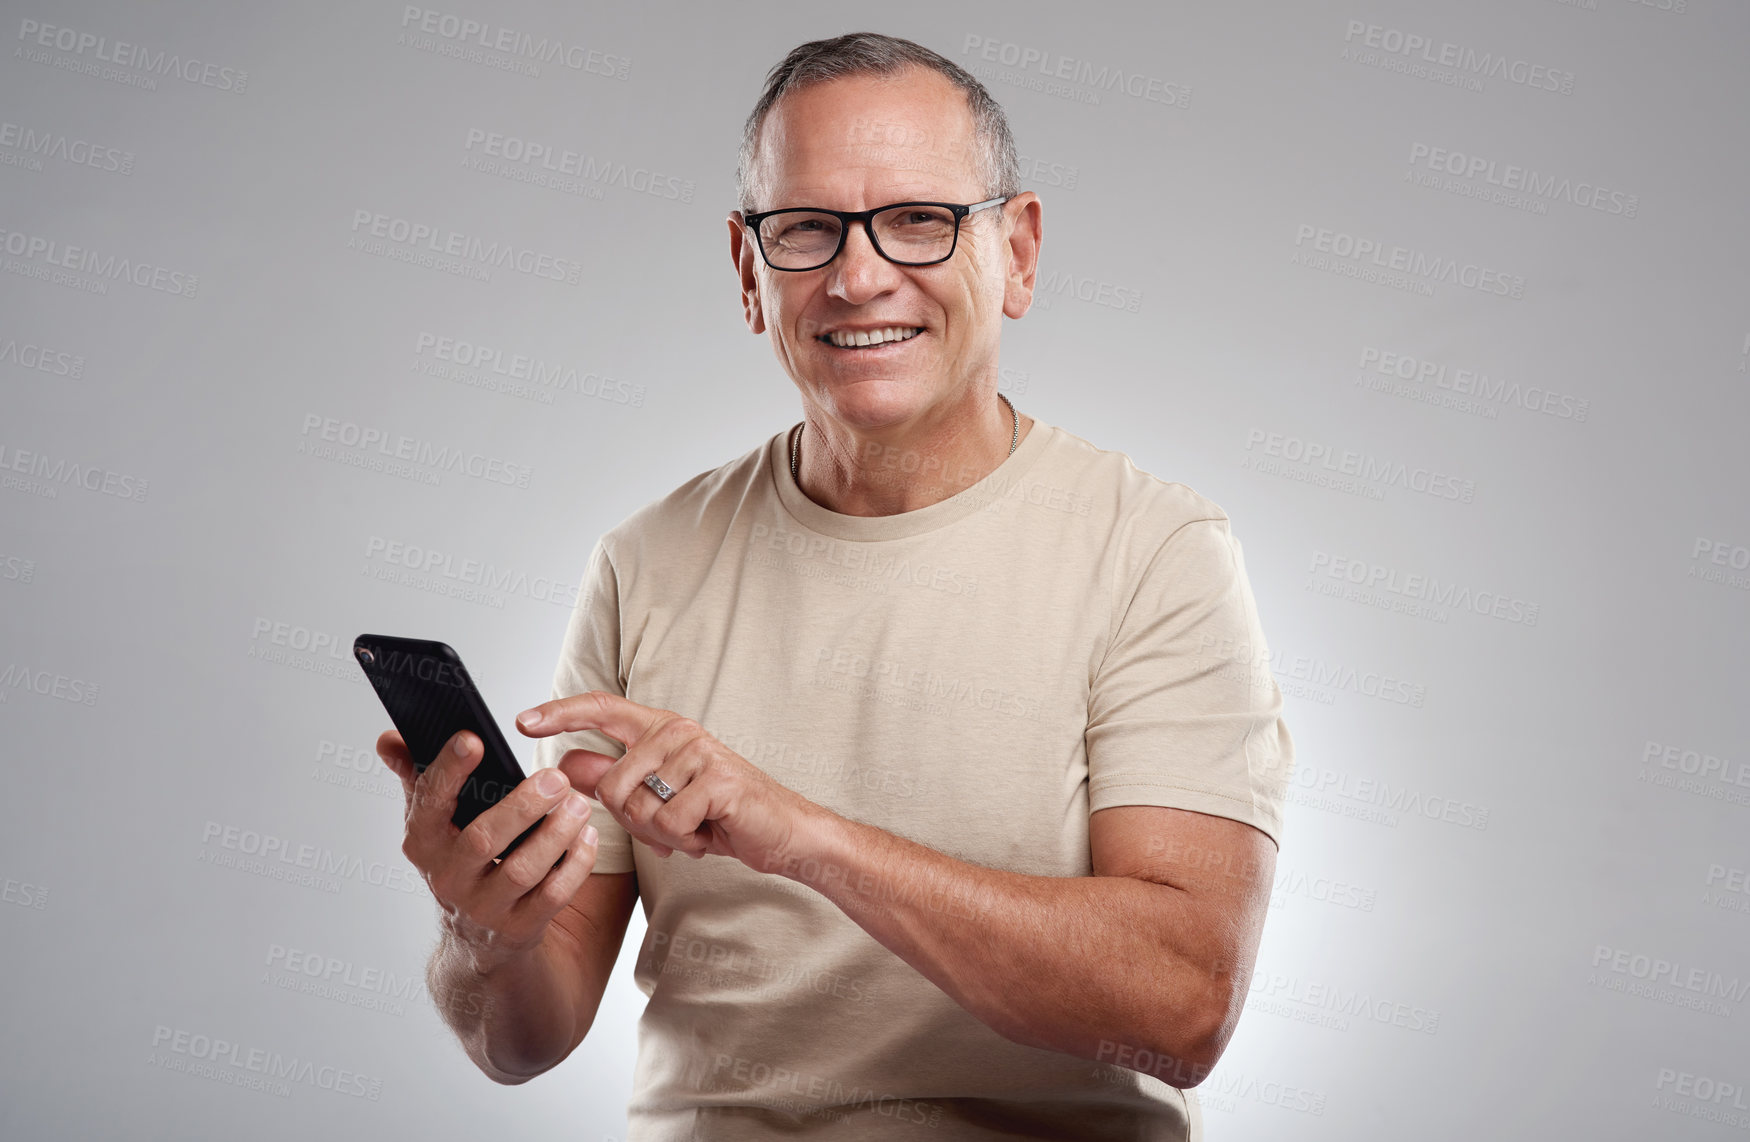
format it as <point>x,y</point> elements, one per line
<point>908,130</point>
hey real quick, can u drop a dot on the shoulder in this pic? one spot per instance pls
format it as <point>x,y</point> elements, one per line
<point>697,514</point>
<point>1143,507</point>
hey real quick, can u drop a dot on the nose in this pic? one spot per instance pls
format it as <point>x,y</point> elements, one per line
<point>859,274</point>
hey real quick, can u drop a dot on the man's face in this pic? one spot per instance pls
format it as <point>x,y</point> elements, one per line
<point>864,142</point>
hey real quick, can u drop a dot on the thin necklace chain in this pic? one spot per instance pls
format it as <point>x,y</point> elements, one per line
<point>796,441</point>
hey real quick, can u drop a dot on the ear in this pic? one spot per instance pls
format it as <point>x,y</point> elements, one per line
<point>1025,225</point>
<point>743,254</point>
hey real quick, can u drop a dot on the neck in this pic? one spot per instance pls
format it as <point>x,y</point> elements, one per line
<point>854,472</point>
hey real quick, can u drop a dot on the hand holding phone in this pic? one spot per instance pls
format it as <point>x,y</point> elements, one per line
<point>467,799</point>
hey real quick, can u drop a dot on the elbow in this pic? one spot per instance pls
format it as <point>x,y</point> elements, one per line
<point>1203,1040</point>
<point>1186,1056</point>
<point>503,1075</point>
<point>1194,1063</point>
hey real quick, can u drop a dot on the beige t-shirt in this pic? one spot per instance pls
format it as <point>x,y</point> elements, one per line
<point>1068,634</point>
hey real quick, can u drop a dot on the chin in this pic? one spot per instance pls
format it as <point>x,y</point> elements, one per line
<point>874,401</point>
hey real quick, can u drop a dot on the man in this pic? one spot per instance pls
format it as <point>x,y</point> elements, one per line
<point>955,714</point>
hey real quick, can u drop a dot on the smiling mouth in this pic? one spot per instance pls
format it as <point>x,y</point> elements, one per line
<point>869,339</point>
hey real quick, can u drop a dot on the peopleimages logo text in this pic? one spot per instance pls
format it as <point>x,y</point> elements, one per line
<point>1361,465</point>
<point>1102,77</point>
<point>1508,176</point>
<point>83,260</point>
<point>513,42</point>
<point>87,45</point>
<point>1406,260</point>
<point>439,240</point>
<point>1463,59</point>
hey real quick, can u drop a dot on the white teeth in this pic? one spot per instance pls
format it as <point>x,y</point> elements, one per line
<point>846,340</point>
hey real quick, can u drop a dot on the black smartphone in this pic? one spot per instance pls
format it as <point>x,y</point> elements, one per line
<point>430,696</point>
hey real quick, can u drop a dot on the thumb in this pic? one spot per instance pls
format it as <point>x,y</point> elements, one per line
<point>585,768</point>
<point>393,751</point>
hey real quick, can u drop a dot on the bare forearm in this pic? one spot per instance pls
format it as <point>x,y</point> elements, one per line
<point>1083,965</point>
<point>515,1020</point>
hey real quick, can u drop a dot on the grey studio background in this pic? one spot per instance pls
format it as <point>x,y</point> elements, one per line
<point>1447,306</point>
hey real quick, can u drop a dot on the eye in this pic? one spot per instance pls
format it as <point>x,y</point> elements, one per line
<point>802,227</point>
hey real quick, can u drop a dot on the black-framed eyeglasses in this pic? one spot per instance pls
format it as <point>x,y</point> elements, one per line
<point>905,233</point>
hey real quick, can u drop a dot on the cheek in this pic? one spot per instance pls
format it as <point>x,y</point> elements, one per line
<point>984,296</point>
<point>985,283</point>
<point>781,307</point>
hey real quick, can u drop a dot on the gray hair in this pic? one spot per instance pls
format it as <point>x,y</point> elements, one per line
<point>870,53</point>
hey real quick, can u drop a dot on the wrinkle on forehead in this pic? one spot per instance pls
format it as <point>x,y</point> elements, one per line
<point>910,146</point>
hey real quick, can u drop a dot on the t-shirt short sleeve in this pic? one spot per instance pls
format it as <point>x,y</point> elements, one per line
<point>1184,711</point>
<point>590,660</point>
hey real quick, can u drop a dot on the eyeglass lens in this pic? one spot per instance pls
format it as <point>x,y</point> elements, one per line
<point>803,239</point>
